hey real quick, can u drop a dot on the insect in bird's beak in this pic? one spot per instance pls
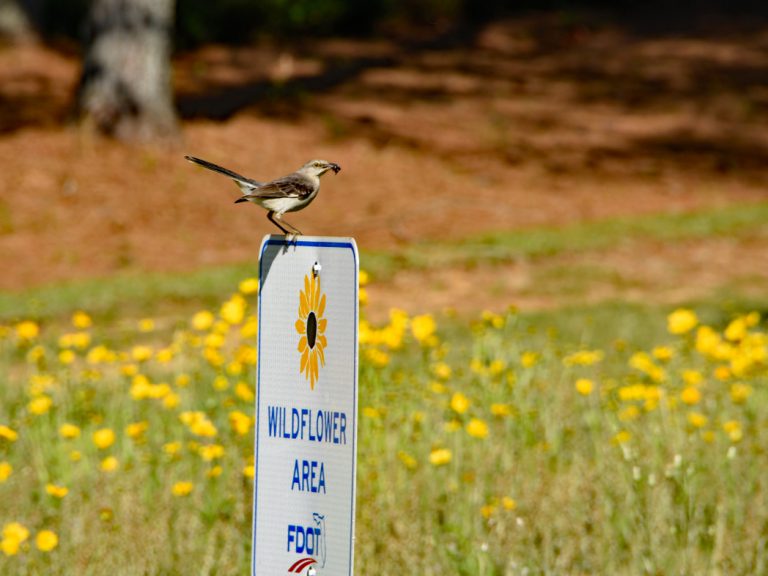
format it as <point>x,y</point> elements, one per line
<point>335,167</point>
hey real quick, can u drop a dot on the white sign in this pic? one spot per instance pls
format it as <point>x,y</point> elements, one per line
<point>306,407</point>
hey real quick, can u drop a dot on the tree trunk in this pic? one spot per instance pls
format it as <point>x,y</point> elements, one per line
<point>125,88</point>
<point>14,23</point>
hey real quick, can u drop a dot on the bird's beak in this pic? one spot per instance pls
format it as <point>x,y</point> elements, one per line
<point>335,167</point>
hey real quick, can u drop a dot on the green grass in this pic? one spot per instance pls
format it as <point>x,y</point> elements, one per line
<point>151,293</point>
<point>504,247</point>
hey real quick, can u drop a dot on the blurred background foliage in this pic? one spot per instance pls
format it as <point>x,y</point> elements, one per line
<point>241,21</point>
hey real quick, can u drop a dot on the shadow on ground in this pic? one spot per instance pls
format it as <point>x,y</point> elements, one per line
<point>569,92</point>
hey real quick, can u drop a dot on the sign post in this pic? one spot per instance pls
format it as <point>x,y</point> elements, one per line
<point>306,407</point>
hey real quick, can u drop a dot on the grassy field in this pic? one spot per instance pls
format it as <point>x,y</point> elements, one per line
<point>611,439</point>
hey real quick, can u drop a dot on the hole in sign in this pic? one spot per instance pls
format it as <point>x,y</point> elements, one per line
<point>311,329</point>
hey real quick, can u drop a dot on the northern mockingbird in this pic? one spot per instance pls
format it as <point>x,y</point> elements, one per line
<point>287,194</point>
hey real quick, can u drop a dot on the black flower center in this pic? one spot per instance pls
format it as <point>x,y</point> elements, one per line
<point>311,329</point>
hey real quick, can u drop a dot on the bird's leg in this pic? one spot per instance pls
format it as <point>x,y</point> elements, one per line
<point>295,231</point>
<point>275,220</point>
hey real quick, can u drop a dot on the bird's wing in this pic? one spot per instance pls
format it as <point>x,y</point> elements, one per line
<point>291,186</point>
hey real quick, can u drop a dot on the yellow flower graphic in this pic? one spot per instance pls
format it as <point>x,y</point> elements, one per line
<point>311,328</point>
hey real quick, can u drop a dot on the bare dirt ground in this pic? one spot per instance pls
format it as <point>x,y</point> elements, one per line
<point>515,124</point>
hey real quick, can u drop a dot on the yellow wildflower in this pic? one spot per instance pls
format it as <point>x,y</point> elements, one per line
<point>508,503</point>
<point>643,362</point>
<point>438,387</point>
<point>529,359</point>
<point>214,340</point>
<point>69,431</point>
<point>15,531</point>
<point>740,392</point>
<point>697,419</point>
<point>146,325</point>
<point>629,413</point>
<point>737,329</point>
<point>476,365</point>
<point>377,357</point>
<point>136,429</point>
<point>27,330</point>
<point>80,340</point>
<point>81,320</point>
<point>66,357</point>
<point>681,321</point>
<point>109,464</point>
<point>141,353</point>
<point>622,437</point>
<point>452,426</point>
<point>498,409</point>
<point>40,405</point>
<point>423,327</point>
<point>7,433</point>
<point>211,452</point>
<point>442,371</point>
<point>692,377</point>
<point>214,472</point>
<point>459,403</point>
<point>488,510</point>
<point>35,354</point>
<point>477,428</point>
<point>203,428</point>
<point>202,320</point>
<point>103,438</point>
<point>493,319</point>
<point>733,429</point>
<point>164,355</point>
<point>14,534</point>
<point>584,386</point>
<point>46,540</point>
<point>172,448</point>
<point>56,491</point>
<point>249,286</point>
<point>199,424</point>
<point>690,395</point>
<point>171,400</point>
<point>371,413</point>
<point>408,461</point>
<point>250,328</point>
<point>584,358</point>
<point>220,383</point>
<point>5,471</point>
<point>10,546</point>
<point>663,353</point>
<point>233,310</point>
<point>182,488</point>
<point>240,422</point>
<point>129,369</point>
<point>440,456</point>
<point>244,392</point>
<point>707,341</point>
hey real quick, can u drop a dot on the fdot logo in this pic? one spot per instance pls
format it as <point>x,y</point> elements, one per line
<point>308,540</point>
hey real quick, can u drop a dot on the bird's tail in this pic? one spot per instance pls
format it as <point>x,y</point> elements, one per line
<point>241,180</point>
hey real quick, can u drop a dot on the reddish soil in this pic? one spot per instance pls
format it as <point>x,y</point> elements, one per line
<point>523,123</point>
